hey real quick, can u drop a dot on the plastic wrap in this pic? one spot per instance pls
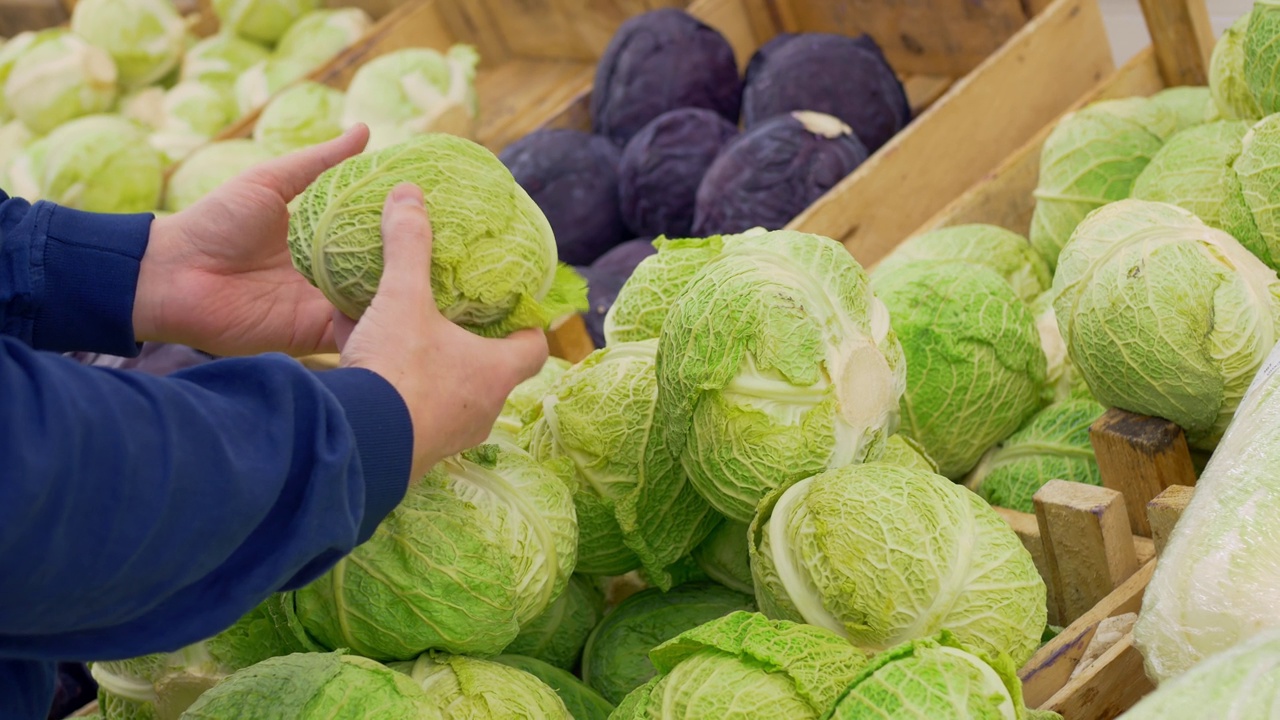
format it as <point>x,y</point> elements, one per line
<point>1243,683</point>
<point>1218,581</point>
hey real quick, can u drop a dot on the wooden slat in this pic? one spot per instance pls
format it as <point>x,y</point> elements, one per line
<point>1106,688</point>
<point>925,90</point>
<point>570,340</point>
<point>984,118</point>
<point>1164,511</point>
<point>1182,38</point>
<point>1139,457</point>
<point>1050,668</point>
<point>1087,545</point>
<point>1003,197</point>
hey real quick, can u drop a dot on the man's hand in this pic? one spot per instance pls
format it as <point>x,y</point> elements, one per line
<point>218,276</point>
<point>454,382</point>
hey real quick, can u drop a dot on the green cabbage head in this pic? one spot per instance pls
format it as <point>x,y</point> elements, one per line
<point>1062,380</point>
<point>1091,158</point>
<point>975,368</point>
<point>558,635</point>
<point>1227,80</point>
<point>525,401</point>
<point>1191,105</point>
<point>59,77</point>
<point>1164,315</point>
<point>1262,54</point>
<point>467,688</point>
<point>1053,446</point>
<point>10,51</point>
<point>478,548</point>
<point>882,555</point>
<point>1240,682</point>
<point>905,452</point>
<point>255,87</point>
<point>617,661</point>
<point>183,118</point>
<point>263,21</point>
<point>306,114</point>
<point>734,667</point>
<point>494,267</point>
<point>725,557</point>
<point>208,167</point>
<point>315,686</point>
<point>413,91</point>
<point>146,38</point>
<point>1004,251</point>
<point>935,678</point>
<point>776,363</point>
<point>14,138</point>
<point>221,58</point>
<point>102,163</point>
<point>635,505</point>
<point>642,304</point>
<point>321,35</point>
<point>582,702</point>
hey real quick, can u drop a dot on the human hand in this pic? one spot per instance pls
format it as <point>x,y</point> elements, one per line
<point>218,275</point>
<point>453,381</point>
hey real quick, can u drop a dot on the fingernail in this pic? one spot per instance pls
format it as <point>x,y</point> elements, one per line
<point>407,194</point>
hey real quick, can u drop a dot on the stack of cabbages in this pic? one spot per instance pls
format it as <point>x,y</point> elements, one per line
<point>99,112</point>
<point>665,155</point>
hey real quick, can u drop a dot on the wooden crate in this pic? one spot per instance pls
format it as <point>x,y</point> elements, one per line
<point>980,81</point>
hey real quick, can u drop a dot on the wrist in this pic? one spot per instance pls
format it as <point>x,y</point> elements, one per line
<point>155,276</point>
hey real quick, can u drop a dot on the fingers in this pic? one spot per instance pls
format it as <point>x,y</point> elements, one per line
<point>290,174</point>
<point>342,329</point>
<point>406,249</point>
<point>525,352</point>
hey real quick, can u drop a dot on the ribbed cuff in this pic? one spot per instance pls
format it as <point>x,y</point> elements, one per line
<point>87,277</point>
<point>384,438</point>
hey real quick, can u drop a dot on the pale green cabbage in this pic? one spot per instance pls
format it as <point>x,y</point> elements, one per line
<point>1091,158</point>
<point>1227,81</point>
<point>582,702</point>
<point>257,85</point>
<point>467,688</point>
<point>616,659</point>
<point>478,547</point>
<point>146,38</point>
<point>316,686</point>
<point>10,51</point>
<point>185,117</point>
<point>525,401</point>
<point>1062,381</point>
<point>306,114</point>
<point>641,305</point>
<point>776,363</point>
<point>221,58</point>
<point>319,36</point>
<point>1054,445</point>
<point>744,667</point>
<point>102,163</point>
<point>905,452</point>
<point>24,176</point>
<point>14,138</point>
<point>1219,576</point>
<point>635,505</point>
<point>975,368</point>
<point>263,21</point>
<point>494,267</point>
<point>1163,315</point>
<point>559,633</point>
<point>413,91</point>
<point>1004,251</point>
<point>207,168</point>
<point>1191,105</point>
<point>59,77</point>
<point>725,557</point>
<point>935,678</point>
<point>1262,54</point>
<point>1242,682</point>
<point>882,555</point>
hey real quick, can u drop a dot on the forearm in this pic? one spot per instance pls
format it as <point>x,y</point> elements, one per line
<point>174,505</point>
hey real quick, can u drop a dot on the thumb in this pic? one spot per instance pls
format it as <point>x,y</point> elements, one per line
<point>406,250</point>
<point>290,174</point>
<point>525,352</point>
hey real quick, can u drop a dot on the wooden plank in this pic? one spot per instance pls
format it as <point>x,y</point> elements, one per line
<point>1183,39</point>
<point>1003,197</point>
<point>1139,457</point>
<point>925,90</point>
<point>1106,688</point>
<point>984,118</point>
<point>1164,511</point>
<point>21,15</point>
<point>1087,545</point>
<point>930,37</point>
<point>570,341</point>
<point>1050,668</point>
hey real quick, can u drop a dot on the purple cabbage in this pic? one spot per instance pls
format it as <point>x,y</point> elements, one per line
<point>661,61</point>
<point>602,290</point>
<point>573,177</point>
<point>769,175</point>
<point>847,77</point>
<point>662,166</point>
<point>623,259</point>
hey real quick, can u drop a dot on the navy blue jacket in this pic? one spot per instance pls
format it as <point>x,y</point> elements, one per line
<point>139,514</point>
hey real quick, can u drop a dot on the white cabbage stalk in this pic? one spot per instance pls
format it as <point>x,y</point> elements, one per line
<point>1218,580</point>
<point>59,77</point>
<point>146,38</point>
<point>414,91</point>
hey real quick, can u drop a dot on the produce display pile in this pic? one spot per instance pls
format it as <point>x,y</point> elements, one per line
<point>796,459</point>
